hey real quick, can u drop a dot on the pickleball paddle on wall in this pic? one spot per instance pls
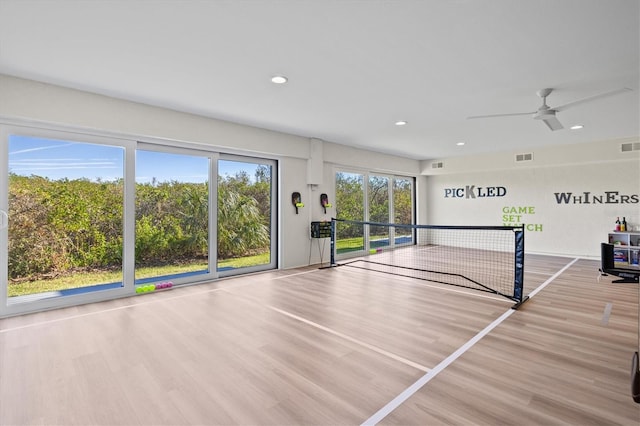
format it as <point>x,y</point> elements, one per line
<point>296,200</point>
<point>324,201</point>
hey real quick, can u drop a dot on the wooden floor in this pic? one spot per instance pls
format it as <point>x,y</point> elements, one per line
<point>338,346</point>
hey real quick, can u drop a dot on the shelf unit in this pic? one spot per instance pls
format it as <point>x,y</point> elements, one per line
<point>626,250</point>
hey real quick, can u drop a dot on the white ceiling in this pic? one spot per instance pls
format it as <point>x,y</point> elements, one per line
<point>354,67</point>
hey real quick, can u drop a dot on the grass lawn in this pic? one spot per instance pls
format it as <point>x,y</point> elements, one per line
<point>349,244</point>
<point>87,279</point>
<point>242,262</point>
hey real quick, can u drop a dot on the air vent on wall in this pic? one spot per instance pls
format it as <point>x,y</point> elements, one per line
<point>631,146</point>
<point>524,157</point>
<point>437,165</point>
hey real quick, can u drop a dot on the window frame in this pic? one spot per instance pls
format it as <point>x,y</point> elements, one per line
<point>366,175</point>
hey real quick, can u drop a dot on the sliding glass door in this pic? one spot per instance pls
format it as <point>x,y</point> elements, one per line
<point>403,210</point>
<point>172,199</point>
<point>246,215</point>
<point>350,205</point>
<point>378,206</point>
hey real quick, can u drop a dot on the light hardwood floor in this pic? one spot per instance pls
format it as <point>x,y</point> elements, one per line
<point>330,346</point>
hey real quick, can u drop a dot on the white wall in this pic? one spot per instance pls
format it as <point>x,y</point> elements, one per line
<point>40,104</point>
<point>572,226</point>
<point>31,100</point>
<point>597,152</point>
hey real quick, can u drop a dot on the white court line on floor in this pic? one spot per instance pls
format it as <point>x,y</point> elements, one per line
<point>606,314</point>
<point>408,392</point>
<point>553,277</point>
<point>352,340</point>
<point>387,409</point>
<point>331,331</point>
<point>295,274</point>
<point>536,272</point>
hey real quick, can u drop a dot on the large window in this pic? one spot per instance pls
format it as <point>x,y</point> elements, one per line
<point>90,218</point>
<point>65,209</point>
<point>384,199</point>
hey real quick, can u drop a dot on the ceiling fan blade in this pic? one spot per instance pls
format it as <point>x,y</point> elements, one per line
<point>592,98</point>
<point>500,115</point>
<point>553,123</point>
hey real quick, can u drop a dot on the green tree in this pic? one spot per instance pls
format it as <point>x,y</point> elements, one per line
<point>403,200</point>
<point>378,199</point>
<point>172,222</point>
<point>240,226</point>
<point>350,203</point>
<point>58,226</point>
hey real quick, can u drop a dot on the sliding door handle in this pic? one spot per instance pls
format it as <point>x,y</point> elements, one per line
<point>4,219</point>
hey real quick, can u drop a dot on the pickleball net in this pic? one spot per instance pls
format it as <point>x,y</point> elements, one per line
<point>484,258</point>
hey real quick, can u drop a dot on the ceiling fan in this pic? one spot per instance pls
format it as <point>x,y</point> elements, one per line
<point>548,114</point>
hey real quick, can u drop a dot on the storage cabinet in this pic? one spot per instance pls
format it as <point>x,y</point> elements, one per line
<point>626,250</point>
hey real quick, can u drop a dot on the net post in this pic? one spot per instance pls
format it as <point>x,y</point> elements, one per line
<point>332,261</point>
<point>518,284</point>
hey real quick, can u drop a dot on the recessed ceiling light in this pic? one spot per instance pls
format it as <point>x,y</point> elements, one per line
<point>460,143</point>
<point>401,123</point>
<point>577,127</point>
<point>279,79</point>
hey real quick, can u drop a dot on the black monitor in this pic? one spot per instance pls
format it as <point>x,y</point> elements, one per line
<point>607,266</point>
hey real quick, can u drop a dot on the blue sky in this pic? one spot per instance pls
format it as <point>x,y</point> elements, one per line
<point>57,159</point>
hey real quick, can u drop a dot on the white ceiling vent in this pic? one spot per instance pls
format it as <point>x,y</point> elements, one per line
<point>631,146</point>
<point>437,165</point>
<point>524,157</point>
